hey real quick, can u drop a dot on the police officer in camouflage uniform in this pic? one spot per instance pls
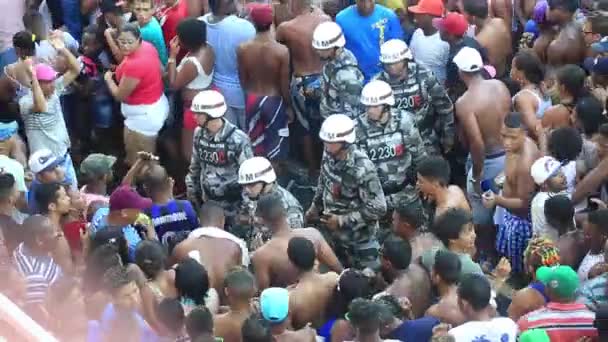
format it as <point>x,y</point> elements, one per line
<point>417,90</point>
<point>257,177</point>
<point>341,79</point>
<point>219,148</point>
<point>349,199</point>
<point>392,142</point>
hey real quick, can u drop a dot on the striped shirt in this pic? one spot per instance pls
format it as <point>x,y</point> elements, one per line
<point>563,322</point>
<point>40,272</point>
<point>594,292</point>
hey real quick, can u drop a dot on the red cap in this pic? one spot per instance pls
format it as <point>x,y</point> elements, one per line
<point>125,197</point>
<point>261,14</point>
<point>453,23</point>
<point>431,7</point>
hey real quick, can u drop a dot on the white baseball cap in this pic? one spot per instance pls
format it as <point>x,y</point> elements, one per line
<point>544,168</point>
<point>468,60</point>
<point>43,160</point>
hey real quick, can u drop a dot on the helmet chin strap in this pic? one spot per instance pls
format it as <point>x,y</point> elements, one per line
<point>262,191</point>
<point>343,147</point>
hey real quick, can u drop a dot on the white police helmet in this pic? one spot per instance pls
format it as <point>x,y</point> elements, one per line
<point>328,35</point>
<point>210,102</point>
<point>377,93</point>
<point>338,128</point>
<point>394,51</point>
<point>256,169</point>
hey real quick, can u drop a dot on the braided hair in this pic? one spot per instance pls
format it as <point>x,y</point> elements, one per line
<point>541,252</point>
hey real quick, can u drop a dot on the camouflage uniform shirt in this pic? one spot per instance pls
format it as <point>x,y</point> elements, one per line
<point>341,84</point>
<point>351,189</point>
<point>421,94</point>
<point>395,147</point>
<point>215,164</point>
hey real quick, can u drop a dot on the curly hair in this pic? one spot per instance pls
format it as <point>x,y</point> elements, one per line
<point>541,252</point>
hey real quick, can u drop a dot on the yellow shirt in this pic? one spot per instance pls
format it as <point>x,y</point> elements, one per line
<point>393,4</point>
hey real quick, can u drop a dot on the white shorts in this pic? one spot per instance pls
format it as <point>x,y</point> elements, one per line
<point>146,119</point>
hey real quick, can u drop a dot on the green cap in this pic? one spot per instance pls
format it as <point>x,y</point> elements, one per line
<point>97,164</point>
<point>562,280</point>
<point>534,335</point>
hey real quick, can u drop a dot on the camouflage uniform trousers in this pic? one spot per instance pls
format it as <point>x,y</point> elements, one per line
<point>355,249</point>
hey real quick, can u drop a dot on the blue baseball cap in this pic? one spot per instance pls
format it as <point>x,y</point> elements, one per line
<point>274,303</point>
<point>600,66</point>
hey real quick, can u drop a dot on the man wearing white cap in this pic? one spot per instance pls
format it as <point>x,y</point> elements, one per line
<point>548,175</point>
<point>481,111</point>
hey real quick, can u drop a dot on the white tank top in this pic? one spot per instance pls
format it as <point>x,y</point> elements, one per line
<point>202,80</point>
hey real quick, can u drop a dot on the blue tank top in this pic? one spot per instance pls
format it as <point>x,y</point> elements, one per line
<point>540,287</point>
<point>325,330</point>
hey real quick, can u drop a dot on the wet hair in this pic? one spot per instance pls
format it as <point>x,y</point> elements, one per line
<point>33,227</point>
<point>99,260</point>
<point>448,266</point>
<point>192,281</point>
<point>572,77</point>
<point>7,183</point>
<point>199,321</point>
<point>270,207</point>
<point>476,8</point>
<point>150,256</point>
<point>476,290</point>
<point>351,284</point>
<point>132,28</point>
<point>541,252</point>
<point>171,314</point>
<point>566,5</point>
<point>599,23</point>
<point>256,329</point>
<point>603,130</point>
<point>530,65</point>
<point>109,6</point>
<point>364,315</point>
<point>589,111</point>
<point>412,214</point>
<point>436,169</point>
<point>398,251</point>
<point>301,253</point>
<point>599,218</point>
<point>115,278</point>
<point>565,144</point>
<point>45,194</point>
<point>560,209</point>
<point>389,308</point>
<point>449,225</point>
<point>115,238</point>
<point>211,214</point>
<point>513,120</point>
<point>240,282</point>
<point>24,40</point>
<point>192,33</point>
<point>30,17</point>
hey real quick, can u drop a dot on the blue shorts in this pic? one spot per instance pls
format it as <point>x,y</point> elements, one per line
<point>493,165</point>
<point>306,102</point>
<point>267,126</point>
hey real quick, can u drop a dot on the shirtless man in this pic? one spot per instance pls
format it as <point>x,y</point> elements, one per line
<point>218,250</point>
<point>494,34</point>
<point>445,276</point>
<point>309,297</point>
<point>406,279</point>
<point>240,289</point>
<point>296,34</point>
<point>433,177</point>
<point>270,261</point>
<point>407,221</point>
<point>481,111</point>
<point>264,74</point>
<point>568,47</point>
<point>275,306</point>
<point>515,229</point>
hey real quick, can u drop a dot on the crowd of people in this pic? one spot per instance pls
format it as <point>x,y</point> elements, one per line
<point>458,151</point>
